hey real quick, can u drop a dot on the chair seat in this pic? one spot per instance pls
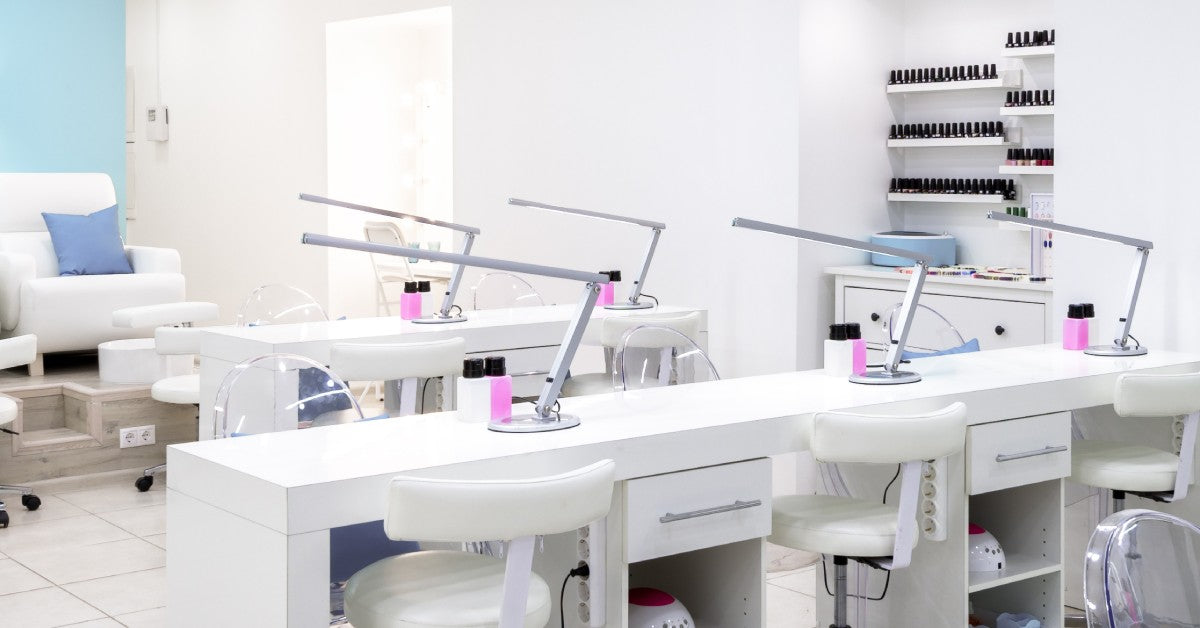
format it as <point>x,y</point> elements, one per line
<point>841,526</point>
<point>1122,467</point>
<point>8,411</point>
<point>588,384</point>
<point>437,589</point>
<point>181,389</point>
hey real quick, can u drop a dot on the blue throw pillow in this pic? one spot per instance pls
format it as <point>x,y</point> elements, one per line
<point>88,245</point>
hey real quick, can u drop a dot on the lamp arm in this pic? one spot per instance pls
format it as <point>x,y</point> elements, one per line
<point>566,352</point>
<point>636,292</point>
<point>456,274</point>
<point>1124,323</point>
<point>908,309</point>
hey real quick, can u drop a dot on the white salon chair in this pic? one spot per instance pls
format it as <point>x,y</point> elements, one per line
<point>1144,471</point>
<point>612,331</point>
<point>403,366</point>
<point>433,589</point>
<point>16,351</point>
<point>882,535</point>
<point>178,389</point>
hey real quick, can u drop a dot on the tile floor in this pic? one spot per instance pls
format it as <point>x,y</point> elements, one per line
<point>93,556</point>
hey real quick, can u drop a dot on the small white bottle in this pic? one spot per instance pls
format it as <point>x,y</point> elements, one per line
<point>839,352</point>
<point>474,394</point>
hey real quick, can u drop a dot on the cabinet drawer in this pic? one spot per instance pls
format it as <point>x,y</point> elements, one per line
<point>1018,452</point>
<point>1020,323</point>
<point>689,510</point>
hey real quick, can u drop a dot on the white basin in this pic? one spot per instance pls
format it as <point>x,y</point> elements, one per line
<point>134,361</point>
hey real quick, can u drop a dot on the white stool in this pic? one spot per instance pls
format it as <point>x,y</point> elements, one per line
<point>177,389</point>
<point>16,351</point>
<point>1146,471</point>
<point>135,360</point>
<point>881,535</point>
<point>404,363</point>
<point>447,588</point>
<point>612,329</point>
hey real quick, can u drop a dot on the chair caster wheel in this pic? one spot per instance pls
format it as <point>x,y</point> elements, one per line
<point>31,502</point>
<point>144,483</point>
<point>3,518</point>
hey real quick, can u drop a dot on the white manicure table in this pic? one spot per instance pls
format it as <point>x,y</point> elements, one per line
<point>528,337</point>
<point>250,517</point>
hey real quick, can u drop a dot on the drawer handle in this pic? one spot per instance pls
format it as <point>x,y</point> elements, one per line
<point>737,505</point>
<point>874,317</point>
<point>1048,449</point>
<point>999,330</point>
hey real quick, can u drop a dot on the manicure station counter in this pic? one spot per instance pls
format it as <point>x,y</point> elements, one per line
<point>250,517</point>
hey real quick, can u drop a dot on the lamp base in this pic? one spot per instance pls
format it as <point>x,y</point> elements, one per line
<point>629,306</point>
<point>886,377</point>
<point>1115,351</point>
<point>530,423</point>
<point>433,319</point>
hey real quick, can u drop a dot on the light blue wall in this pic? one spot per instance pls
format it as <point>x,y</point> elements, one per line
<point>62,87</point>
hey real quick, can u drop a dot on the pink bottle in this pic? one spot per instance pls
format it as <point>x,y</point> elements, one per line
<point>858,350</point>
<point>1075,328</point>
<point>497,375</point>
<point>608,290</point>
<point>410,302</point>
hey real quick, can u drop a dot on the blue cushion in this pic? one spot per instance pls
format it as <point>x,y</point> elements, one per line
<point>970,346</point>
<point>88,245</point>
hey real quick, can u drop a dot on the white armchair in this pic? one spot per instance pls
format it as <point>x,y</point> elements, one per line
<point>72,313</point>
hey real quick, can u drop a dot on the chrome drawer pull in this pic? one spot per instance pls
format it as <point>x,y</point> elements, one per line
<point>737,505</point>
<point>1029,454</point>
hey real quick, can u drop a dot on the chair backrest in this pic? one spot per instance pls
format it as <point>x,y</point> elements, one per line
<point>1145,395</point>
<point>280,391</point>
<point>613,329</point>
<point>18,351</point>
<point>177,340</point>
<point>424,509</point>
<point>277,304</point>
<point>650,356</point>
<point>890,439</point>
<point>1141,569</point>
<point>931,333</point>
<point>25,195</point>
<point>372,362</point>
<point>501,290</point>
<point>385,232</point>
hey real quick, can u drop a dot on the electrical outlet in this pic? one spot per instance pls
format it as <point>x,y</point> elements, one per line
<point>137,436</point>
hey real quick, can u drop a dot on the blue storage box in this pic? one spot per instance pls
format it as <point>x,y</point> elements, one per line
<point>938,246</point>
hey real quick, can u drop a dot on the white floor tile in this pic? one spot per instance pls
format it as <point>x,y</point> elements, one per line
<point>154,618</point>
<point>126,593</point>
<point>801,581</point>
<point>144,521</point>
<point>76,564</point>
<point>782,559</point>
<point>45,608</point>
<point>51,508</point>
<point>789,609</point>
<point>157,539</point>
<point>58,534</point>
<point>15,578</point>
<point>115,497</point>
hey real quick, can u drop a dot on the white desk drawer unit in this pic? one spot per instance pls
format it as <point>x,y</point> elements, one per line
<point>697,508</point>
<point>1017,452</point>
<point>996,323</point>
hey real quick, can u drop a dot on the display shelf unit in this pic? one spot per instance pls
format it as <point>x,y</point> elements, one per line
<point>990,199</point>
<point>1019,567</point>
<point>1028,52</point>
<point>1026,169</point>
<point>1044,110</point>
<point>1008,78</point>
<point>935,142</point>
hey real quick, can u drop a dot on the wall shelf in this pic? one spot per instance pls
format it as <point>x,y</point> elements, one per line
<point>1019,568</point>
<point>1027,170</point>
<point>1046,110</point>
<point>991,199</point>
<point>1028,52</point>
<point>949,141</point>
<point>1008,78</point>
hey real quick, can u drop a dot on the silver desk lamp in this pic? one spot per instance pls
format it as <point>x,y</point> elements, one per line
<point>545,417</point>
<point>656,229</point>
<point>1120,345</point>
<point>891,373</point>
<point>443,315</point>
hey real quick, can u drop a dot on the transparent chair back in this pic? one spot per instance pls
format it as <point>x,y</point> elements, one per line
<point>280,391</point>
<point>650,356</point>
<point>1143,569</point>
<point>277,304</point>
<point>930,332</point>
<point>502,290</point>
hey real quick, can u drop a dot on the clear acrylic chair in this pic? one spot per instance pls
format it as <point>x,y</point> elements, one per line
<point>650,356</point>
<point>280,391</point>
<point>278,304</point>
<point>931,334</point>
<point>1141,569</point>
<point>502,290</point>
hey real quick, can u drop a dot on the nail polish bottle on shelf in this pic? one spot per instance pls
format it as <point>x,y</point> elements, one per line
<point>410,301</point>
<point>1075,328</point>
<point>473,396</point>
<point>500,381</point>
<point>1009,43</point>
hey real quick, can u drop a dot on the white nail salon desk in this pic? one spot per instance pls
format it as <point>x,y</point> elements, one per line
<point>250,517</point>
<point>528,337</point>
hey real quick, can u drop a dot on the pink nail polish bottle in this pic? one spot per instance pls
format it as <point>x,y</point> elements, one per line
<point>1075,328</point>
<point>497,375</point>
<point>410,302</point>
<point>858,352</point>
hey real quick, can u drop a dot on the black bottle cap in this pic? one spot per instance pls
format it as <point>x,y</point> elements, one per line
<point>473,368</point>
<point>853,331</point>
<point>837,331</point>
<point>613,275</point>
<point>1075,310</point>
<point>1089,310</point>
<point>493,366</point>
<point>410,287</point>
<point>423,286</point>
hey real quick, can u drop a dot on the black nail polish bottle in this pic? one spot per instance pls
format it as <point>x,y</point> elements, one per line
<point>1025,40</point>
<point>992,70</point>
<point>1052,37</point>
<point>1008,99</point>
<point>1009,43</point>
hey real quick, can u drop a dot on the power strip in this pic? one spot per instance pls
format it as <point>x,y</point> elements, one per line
<point>592,549</point>
<point>933,500</point>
